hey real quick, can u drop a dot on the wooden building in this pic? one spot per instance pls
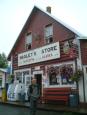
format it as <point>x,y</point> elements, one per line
<point>49,50</point>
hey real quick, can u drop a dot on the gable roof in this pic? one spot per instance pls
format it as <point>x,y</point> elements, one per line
<point>62,22</point>
<point>29,20</point>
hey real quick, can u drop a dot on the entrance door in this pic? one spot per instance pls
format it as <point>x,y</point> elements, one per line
<point>39,80</point>
<point>85,81</point>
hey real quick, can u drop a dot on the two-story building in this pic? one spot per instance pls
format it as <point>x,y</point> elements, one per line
<point>49,50</point>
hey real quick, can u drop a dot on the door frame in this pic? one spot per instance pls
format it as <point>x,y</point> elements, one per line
<point>39,72</point>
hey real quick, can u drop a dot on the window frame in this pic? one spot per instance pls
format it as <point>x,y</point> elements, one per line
<point>47,39</point>
<point>28,43</point>
<point>51,80</point>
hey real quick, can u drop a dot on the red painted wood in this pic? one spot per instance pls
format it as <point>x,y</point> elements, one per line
<point>83,45</point>
<point>56,94</point>
<point>36,26</point>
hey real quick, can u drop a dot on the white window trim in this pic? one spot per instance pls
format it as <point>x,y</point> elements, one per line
<point>21,70</point>
<point>49,35</point>
<point>63,85</point>
<point>50,27</point>
<point>28,43</point>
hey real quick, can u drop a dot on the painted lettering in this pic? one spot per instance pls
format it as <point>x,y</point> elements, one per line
<point>46,50</point>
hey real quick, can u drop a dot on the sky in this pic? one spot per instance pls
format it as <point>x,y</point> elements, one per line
<point>14,13</point>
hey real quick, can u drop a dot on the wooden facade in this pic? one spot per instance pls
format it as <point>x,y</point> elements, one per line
<point>35,24</point>
<point>83,44</point>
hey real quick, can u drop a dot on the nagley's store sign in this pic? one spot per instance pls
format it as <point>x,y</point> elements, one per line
<point>45,53</point>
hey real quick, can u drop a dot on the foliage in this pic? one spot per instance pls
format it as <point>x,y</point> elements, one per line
<point>77,75</point>
<point>10,78</point>
<point>3,61</point>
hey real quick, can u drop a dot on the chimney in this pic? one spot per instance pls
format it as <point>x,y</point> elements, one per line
<point>48,9</point>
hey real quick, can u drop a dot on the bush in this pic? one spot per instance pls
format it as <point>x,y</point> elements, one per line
<point>77,75</point>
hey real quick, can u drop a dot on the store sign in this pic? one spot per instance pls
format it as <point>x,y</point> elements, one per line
<point>45,53</point>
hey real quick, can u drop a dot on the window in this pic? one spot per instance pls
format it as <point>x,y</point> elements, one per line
<point>19,76</point>
<point>0,82</point>
<point>66,72</point>
<point>48,34</point>
<point>61,75</point>
<point>53,79</point>
<point>28,41</point>
<point>53,75</point>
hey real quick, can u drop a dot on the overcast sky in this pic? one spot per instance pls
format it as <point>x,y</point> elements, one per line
<point>14,13</point>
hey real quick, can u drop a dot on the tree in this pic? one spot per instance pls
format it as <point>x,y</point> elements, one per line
<point>3,61</point>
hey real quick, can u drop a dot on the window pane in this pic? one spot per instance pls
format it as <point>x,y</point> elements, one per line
<point>48,31</point>
<point>29,39</point>
<point>49,40</point>
<point>53,79</point>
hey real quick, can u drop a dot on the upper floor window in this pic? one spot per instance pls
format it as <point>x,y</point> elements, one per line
<point>28,41</point>
<point>48,34</point>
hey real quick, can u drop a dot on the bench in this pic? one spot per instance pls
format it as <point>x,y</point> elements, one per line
<point>56,95</point>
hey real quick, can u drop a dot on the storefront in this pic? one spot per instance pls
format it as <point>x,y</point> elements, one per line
<point>48,51</point>
<point>55,74</point>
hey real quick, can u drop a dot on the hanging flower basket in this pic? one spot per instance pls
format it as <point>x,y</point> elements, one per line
<point>77,75</point>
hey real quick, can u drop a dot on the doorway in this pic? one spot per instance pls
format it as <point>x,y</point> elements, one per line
<point>39,81</point>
